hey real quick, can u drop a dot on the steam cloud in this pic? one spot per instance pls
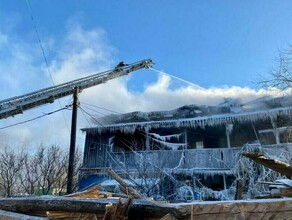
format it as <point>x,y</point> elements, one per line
<point>83,52</point>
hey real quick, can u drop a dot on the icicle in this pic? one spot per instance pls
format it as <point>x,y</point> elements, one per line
<point>166,137</point>
<point>172,146</point>
<point>201,121</point>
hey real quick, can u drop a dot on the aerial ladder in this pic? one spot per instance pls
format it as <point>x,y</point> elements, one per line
<point>17,105</point>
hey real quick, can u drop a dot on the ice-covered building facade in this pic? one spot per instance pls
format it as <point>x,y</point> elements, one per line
<point>187,148</point>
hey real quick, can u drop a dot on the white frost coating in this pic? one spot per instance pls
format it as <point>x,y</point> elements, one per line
<point>203,121</point>
<point>180,161</point>
<point>166,137</point>
<point>207,194</point>
<point>172,146</point>
<point>111,143</point>
<point>286,182</point>
<point>185,193</point>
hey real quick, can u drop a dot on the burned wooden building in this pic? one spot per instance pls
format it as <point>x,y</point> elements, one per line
<point>194,145</point>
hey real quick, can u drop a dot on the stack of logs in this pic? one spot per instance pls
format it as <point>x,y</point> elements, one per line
<point>90,204</point>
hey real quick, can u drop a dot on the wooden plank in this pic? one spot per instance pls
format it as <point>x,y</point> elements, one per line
<point>276,165</point>
<point>242,209</point>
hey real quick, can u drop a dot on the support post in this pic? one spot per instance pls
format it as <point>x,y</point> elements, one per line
<point>276,131</point>
<point>229,128</point>
<point>224,181</point>
<point>186,139</point>
<point>72,141</point>
<point>147,144</point>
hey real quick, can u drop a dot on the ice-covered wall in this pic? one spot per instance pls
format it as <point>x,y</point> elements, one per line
<point>190,161</point>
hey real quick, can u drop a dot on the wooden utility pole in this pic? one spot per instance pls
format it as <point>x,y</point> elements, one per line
<point>72,141</point>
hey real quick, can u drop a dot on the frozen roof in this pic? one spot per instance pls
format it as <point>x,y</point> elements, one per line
<point>200,121</point>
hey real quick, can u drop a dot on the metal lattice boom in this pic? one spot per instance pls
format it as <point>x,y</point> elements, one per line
<point>16,105</point>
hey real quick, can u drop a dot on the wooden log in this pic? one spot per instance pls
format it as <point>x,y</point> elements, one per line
<point>73,215</point>
<point>5,215</point>
<point>57,203</point>
<point>125,187</point>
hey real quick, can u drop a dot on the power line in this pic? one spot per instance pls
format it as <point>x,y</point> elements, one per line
<point>85,117</point>
<point>91,116</point>
<point>32,119</point>
<point>44,56</point>
<point>101,108</point>
<point>100,113</point>
<point>39,41</point>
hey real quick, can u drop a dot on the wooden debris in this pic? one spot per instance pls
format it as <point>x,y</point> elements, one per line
<point>276,165</point>
<point>128,190</point>
<point>169,216</point>
<point>119,211</point>
<point>239,189</point>
<point>90,193</point>
<point>287,192</point>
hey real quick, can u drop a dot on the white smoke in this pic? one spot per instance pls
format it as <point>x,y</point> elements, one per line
<point>83,52</point>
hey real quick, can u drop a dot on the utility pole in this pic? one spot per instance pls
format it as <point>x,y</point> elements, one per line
<point>72,141</point>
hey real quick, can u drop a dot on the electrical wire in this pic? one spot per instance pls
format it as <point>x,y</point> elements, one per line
<point>85,117</point>
<point>33,119</point>
<point>44,56</point>
<point>39,40</point>
<point>98,112</point>
<point>91,116</point>
<point>101,108</point>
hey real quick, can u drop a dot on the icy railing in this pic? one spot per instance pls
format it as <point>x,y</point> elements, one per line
<point>198,160</point>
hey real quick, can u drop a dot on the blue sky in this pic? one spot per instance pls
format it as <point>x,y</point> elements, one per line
<point>222,46</point>
<point>211,43</point>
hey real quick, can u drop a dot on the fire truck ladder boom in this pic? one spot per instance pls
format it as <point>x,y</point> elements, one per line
<point>16,105</point>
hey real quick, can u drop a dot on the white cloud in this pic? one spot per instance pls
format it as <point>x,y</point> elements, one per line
<point>84,52</point>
